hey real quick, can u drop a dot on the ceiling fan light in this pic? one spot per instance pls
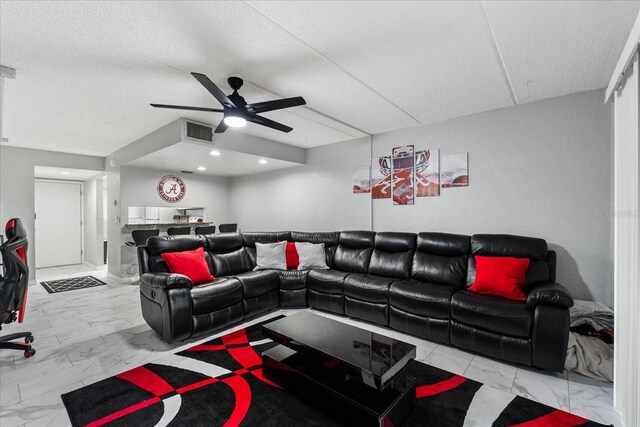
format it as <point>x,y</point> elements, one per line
<point>235,121</point>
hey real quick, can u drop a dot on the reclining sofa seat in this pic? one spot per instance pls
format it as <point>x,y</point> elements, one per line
<point>262,287</point>
<point>287,288</point>
<point>421,304</point>
<point>172,305</point>
<point>532,332</point>
<point>423,279</point>
<point>325,288</point>
<point>366,296</point>
<point>293,283</point>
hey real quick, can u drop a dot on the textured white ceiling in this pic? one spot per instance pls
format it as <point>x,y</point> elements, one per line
<point>433,59</point>
<point>186,156</point>
<point>86,71</point>
<point>554,48</point>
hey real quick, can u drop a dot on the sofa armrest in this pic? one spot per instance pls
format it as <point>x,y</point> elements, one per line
<point>166,280</point>
<point>550,337</point>
<point>549,293</point>
<point>166,304</point>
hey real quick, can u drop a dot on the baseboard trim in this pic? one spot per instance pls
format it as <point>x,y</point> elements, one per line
<point>617,421</point>
<point>122,280</point>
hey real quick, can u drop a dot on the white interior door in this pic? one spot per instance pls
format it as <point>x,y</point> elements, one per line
<point>58,223</point>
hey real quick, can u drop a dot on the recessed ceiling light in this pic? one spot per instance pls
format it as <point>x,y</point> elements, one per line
<point>65,173</point>
<point>215,153</point>
<point>262,161</point>
<point>201,168</point>
<point>235,121</point>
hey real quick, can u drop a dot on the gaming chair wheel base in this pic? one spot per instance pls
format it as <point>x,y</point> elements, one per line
<point>6,342</point>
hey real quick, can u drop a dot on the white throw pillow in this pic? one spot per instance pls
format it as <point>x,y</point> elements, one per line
<point>271,256</point>
<point>311,256</point>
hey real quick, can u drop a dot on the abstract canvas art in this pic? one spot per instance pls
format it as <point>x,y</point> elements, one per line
<point>427,166</point>
<point>402,162</point>
<point>361,183</point>
<point>381,178</point>
<point>454,171</point>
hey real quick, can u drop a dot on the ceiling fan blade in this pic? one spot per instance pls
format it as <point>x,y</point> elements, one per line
<point>269,123</point>
<point>221,127</point>
<point>278,104</point>
<point>214,90</point>
<point>183,107</point>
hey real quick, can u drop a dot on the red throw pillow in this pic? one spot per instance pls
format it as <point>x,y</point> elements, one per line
<point>291,253</point>
<point>190,263</point>
<point>293,260</point>
<point>503,276</point>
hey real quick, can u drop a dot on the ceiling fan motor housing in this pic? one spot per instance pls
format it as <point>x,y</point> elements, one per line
<point>235,82</point>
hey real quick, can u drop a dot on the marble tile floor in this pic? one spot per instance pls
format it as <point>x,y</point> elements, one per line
<point>84,336</point>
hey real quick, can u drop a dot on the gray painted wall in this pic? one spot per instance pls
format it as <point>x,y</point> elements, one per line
<point>167,135</point>
<point>316,197</point>
<point>138,187</point>
<point>92,202</point>
<point>17,185</point>
<point>541,169</point>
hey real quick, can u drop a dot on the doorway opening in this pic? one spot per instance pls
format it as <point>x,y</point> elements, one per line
<point>69,220</point>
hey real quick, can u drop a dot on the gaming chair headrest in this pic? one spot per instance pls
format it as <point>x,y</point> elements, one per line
<point>15,229</point>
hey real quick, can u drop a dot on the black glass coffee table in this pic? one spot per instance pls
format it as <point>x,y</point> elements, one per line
<point>353,374</point>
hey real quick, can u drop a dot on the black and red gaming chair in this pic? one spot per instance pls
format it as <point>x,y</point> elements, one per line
<point>14,284</point>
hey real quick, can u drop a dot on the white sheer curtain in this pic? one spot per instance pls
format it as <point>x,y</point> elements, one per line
<point>626,279</point>
<point>624,92</point>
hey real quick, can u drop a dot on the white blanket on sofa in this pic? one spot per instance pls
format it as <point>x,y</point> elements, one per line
<point>590,357</point>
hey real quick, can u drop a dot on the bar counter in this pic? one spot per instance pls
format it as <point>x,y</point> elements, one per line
<point>168,224</point>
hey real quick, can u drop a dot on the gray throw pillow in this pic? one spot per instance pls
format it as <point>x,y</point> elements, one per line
<point>311,256</point>
<point>271,256</point>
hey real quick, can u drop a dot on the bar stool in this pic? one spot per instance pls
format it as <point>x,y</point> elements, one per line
<point>140,237</point>
<point>228,228</point>
<point>175,231</point>
<point>205,229</point>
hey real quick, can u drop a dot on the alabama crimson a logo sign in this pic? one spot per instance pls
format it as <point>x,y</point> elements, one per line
<point>171,189</point>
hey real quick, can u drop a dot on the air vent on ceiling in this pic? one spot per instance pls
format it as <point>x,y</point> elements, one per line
<point>186,171</point>
<point>199,132</point>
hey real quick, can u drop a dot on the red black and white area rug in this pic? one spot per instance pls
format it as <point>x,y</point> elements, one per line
<point>220,383</point>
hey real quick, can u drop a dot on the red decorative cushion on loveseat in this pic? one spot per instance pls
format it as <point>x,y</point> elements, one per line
<point>502,276</point>
<point>190,263</point>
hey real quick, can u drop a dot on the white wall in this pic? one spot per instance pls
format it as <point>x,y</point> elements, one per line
<point>138,187</point>
<point>315,197</point>
<point>93,222</point>
<point>542,169</point>
<point>17,184</point>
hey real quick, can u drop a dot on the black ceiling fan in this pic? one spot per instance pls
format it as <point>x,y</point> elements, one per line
<point>236,110</point>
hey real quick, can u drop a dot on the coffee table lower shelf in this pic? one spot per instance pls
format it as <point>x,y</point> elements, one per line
<point>345,398</point>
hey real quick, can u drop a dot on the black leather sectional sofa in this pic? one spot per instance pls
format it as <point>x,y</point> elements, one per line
<point>414,283</point>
